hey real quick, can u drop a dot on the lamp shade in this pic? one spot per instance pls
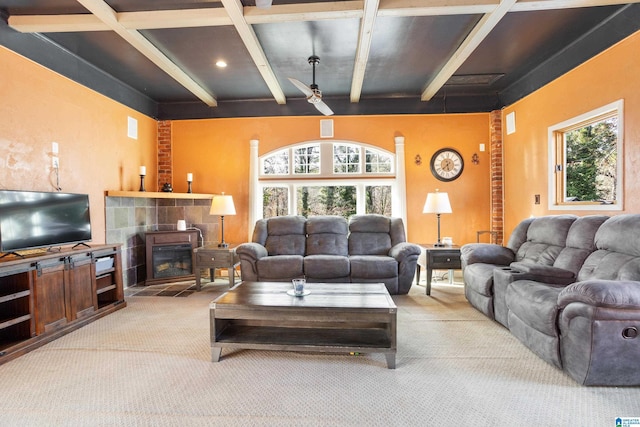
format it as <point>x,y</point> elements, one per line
<point>437,203</point>
<point>222,205</point>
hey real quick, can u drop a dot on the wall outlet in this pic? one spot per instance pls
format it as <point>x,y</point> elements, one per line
<point>55,162</point>
<point>54,147</point>
<point>536,199</point>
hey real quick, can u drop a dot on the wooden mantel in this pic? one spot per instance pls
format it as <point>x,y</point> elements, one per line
<point>157,195</point>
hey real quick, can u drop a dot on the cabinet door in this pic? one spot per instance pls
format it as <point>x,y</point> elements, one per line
<point>83,300</point>
<point>50,296</point>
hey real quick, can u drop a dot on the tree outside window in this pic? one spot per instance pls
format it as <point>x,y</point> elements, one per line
<point>306,160</point>
<point>276,164</point>
<point>275,201</point>
<point>592,161</point>
<point>346,159</point>
<point>585,163</point>
<point>327,200</point>
<point>378,199</point>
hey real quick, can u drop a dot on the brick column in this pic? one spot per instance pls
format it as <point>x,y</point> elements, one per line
<point>497,199</point>
<point>165,165</point>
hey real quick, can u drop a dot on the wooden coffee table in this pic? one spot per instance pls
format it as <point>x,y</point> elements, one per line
<point>333,318</point>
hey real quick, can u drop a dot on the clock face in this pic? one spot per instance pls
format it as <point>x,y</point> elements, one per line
<point>446,164</point>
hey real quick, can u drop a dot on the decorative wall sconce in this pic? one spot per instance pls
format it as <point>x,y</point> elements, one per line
<point>474,159</point>
<point>418,159</point>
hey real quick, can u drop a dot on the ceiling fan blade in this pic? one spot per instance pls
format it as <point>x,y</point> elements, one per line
<point>323,108</point>
<point>303,87</point>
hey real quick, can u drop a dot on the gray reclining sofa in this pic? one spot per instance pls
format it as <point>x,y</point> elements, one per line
<point>366,249</point>
<point>568,288</point>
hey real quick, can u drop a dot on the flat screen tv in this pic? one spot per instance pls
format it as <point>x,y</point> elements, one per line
<point>33,219</point>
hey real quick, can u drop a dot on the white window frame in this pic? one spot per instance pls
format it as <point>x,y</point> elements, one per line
<point>395,178</point>
<point>617,106</point>
<point>293,187</point>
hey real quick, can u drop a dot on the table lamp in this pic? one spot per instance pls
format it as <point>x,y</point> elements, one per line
<point>437,203</point>
<point>222,205</point>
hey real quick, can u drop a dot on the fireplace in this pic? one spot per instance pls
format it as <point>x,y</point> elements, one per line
<point>170,256</point>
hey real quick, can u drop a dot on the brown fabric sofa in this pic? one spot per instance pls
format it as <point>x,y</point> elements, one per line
<point>367,248</point>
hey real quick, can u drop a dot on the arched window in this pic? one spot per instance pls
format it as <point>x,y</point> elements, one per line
<point>328,177</point>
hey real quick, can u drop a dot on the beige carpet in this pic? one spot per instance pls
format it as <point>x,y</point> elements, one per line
<point>149,365</point>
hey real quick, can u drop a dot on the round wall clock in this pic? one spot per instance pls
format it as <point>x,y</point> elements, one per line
<point>446,164</point>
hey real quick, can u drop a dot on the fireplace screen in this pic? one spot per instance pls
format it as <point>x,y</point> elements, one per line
<point>172,261</point>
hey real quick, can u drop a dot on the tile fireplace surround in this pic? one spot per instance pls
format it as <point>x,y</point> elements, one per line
<point>129,218</point>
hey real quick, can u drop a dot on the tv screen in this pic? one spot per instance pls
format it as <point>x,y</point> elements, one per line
<point>32,219</point>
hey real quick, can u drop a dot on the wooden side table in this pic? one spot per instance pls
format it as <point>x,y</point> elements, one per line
<point>213,257</point>
<point>440,258</point>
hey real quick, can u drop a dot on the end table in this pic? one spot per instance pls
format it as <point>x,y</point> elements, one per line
<point>439,258</point>
<point>213,257</point>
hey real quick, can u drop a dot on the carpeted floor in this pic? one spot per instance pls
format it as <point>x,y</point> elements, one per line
<point>149,365</point>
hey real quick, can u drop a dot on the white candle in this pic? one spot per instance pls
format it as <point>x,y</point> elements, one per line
<point>143,170</point>
<point>189,177</point>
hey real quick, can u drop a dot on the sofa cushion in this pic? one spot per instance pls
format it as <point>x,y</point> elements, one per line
<point>620,233</point>
<point>286,235</point>
<point>532,316</point>
<point>280,268</point>
<point>479,278</point>
<point>326,267</point>
<point>327,235</point>
<point>607,265</point>
<point>546,237</point>
<point>580,242</point>
<point>536,304</point>
<point>372,267</point>
<point>369,235</point>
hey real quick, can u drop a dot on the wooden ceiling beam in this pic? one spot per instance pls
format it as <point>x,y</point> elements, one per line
<point>213,17</point>
<point>367,23</point>
<point>107,15</point>
<point>235,10</point>
<point>473,40</point>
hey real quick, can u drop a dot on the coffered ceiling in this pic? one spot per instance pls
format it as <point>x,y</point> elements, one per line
<point>376,56</point>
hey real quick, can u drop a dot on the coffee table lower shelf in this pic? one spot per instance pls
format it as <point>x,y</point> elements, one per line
<point>327,340</point>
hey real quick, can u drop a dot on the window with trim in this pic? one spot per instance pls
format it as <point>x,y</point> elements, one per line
<point>318,185</point>
<point>306,160</point>
<point>586,160</point>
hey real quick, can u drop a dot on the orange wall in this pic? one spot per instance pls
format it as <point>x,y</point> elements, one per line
<point>216,151</point>
<point>612,75</point>
<point>39,107</point>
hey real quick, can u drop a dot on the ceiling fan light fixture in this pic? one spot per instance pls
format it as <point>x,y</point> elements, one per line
<point>263,4</point>
<point>312,92</point>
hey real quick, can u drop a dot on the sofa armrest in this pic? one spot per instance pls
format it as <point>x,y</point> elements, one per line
<point>251,251</point>
<point>249,254</point>
<point>404,251</point>
<point>406,255</point>
<point>544,273</point>
<point>486,253</point>
<point>602,293</point>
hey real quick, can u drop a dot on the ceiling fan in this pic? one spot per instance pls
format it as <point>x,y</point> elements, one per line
<point>313,93</point>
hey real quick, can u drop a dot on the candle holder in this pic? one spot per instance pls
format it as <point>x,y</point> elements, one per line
<point>189,187</point>
<point>142,183</point>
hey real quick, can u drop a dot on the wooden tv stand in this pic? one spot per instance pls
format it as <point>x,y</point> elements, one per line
<point>43,297</point>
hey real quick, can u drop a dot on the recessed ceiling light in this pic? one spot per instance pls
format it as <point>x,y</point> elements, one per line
<point>221,64</point>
